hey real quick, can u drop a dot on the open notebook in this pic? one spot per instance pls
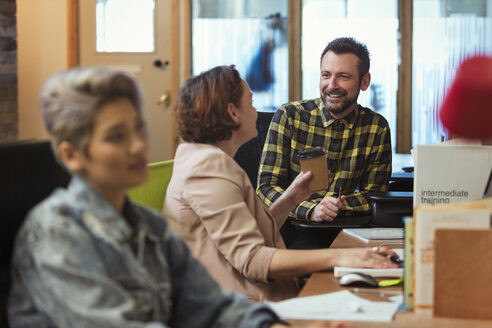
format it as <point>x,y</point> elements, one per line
<point>377,234</point>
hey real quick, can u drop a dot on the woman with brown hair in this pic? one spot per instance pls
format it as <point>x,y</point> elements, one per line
<point>87,256</point>
<point>212,205</point>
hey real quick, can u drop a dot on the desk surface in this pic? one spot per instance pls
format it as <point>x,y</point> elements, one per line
<point>325,282</point>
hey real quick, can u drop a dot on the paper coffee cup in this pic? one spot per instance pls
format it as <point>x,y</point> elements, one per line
<point>314,160</point>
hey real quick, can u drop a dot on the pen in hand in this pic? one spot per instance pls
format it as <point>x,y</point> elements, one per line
<point>392,258</point>
<point>340,192</point>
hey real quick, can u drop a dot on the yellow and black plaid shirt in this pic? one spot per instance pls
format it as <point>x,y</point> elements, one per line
<point>358,154</point>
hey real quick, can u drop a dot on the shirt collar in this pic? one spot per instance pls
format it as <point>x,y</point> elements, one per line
<point>348,121</point>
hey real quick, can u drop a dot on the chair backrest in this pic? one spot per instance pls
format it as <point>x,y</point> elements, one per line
<point>153,192</point>
<point>248,155</point>
<point>28,174</point>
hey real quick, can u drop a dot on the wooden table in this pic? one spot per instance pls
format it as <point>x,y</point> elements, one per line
<point>325,282</point>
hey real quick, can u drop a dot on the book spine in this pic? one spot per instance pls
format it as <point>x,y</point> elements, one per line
<point>408,266</point>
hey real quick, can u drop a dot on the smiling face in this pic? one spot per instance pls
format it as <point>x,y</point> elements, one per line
<point>339,83</point>
<point>117,151</point>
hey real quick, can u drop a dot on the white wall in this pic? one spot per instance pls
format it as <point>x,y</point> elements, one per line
<point>42,45</point>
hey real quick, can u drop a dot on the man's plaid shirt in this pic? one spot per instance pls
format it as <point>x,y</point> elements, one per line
<point>358,154</point>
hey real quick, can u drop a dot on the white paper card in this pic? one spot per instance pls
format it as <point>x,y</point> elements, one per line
<point>450,173</point>
<point>341,305</point>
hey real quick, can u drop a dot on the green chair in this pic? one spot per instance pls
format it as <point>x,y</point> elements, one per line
<point>153,192</point>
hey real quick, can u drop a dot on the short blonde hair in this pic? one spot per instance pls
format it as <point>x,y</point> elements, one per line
<point>70,100</point>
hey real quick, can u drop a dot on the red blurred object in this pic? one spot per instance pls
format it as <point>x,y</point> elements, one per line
<point>467,107</point>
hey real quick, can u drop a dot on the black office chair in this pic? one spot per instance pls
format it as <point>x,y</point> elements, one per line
<point>28,174</point>
<point>248,155</point>
<point>401,181</point>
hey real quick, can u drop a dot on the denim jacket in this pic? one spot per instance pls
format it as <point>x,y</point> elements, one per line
<point>79,263</point>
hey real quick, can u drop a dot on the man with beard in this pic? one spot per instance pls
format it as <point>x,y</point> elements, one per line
<point>356,139</point>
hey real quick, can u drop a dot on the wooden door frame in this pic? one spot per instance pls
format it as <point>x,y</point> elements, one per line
<point>180,52</point>
<point>404,93</point>
<point>73,33</point>
<point>180,46</point>
<point>294,34</point>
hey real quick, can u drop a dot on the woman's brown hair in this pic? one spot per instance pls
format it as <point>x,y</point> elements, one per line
<point>201,107</point>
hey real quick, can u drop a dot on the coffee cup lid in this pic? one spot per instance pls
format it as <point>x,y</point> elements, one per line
<point>311,153</point>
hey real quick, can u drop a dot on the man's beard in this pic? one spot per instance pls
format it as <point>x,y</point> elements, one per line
<point>347,103</point>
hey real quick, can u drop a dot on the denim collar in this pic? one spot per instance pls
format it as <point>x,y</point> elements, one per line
<point>98,214</point>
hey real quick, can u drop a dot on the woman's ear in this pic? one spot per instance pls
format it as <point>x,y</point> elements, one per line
<point>71,158</point>
<point>233,112</point>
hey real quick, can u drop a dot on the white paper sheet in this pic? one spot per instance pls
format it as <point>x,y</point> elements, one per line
<point>341,305</point>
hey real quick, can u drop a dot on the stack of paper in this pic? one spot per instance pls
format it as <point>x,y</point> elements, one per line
<point>341,305</point>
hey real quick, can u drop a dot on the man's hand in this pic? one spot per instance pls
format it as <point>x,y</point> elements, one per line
<point>327,209</point>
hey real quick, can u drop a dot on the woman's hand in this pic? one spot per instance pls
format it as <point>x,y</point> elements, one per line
<point>293,195</point>
<point>366,258</point>
<point>298,190</point>
<point>294,263</point>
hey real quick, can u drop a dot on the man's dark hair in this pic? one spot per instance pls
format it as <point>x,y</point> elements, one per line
<point>347,45</point>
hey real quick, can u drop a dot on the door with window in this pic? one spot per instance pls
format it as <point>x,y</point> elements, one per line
<point>134,36</point>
